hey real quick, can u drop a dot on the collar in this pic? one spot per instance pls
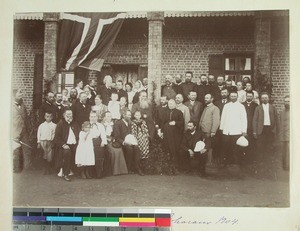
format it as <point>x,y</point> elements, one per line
<point>164,105</point>
<point>125,122</point>
<point>192,133</point>
<point>208,105</point>
<point>48,102</point>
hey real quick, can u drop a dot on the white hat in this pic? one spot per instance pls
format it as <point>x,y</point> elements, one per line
<point>130,139</point>
<point>242,141</point>
<point>199,146</point>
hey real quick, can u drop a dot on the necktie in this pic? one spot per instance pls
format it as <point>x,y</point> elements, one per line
<point>171,115</point>
<point>224,101</point>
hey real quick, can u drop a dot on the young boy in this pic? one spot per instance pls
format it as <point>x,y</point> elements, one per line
<point>45,135</point>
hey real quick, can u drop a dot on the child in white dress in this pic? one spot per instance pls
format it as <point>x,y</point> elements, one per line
<point>85,156</point>
<point>114,107</point>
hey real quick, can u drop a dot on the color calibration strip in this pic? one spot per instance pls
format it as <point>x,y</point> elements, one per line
<point>94,217</point>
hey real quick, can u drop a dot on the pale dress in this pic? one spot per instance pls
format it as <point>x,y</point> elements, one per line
<point>85,151</point>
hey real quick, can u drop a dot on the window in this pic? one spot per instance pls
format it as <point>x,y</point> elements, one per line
<point>231,65</point>
<point>238,66</point>
<point>65,81</point>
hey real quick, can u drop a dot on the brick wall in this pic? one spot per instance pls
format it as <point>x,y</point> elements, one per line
<point>28,41</point>
<point>280,71</point>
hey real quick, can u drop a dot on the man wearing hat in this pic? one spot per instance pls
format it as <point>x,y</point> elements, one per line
<point>197,158</point>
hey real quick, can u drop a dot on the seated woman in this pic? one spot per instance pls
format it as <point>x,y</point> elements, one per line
<point>99,108</point>
<point>117,160</point>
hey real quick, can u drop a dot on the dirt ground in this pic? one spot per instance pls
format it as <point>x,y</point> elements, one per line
<point>266,186</point>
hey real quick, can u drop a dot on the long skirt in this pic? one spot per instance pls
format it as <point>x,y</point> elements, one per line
<point>118,163</point>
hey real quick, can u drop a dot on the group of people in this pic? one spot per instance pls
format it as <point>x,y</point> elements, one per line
<point>110,131</point>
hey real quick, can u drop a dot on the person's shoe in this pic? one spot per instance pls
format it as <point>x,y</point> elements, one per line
<point>71,173</point>
<point>83,176</point>
<point>140,173</point>
<point>60,174</point>
<point>66,178</point>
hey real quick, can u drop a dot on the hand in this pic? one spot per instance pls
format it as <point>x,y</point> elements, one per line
<point>38,145</point>
<point>212,134</point>
<point>102,145</point>
<point>244,134</point>
<point>191,153</point>
<point>172,123</point>
<point>65,146</point>
<point>203,150</point>
<point>145,116</point>
<point>255,135</point>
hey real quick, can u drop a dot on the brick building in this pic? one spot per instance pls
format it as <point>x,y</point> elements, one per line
<point>153,44</point>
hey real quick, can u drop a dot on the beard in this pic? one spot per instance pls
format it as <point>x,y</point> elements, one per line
<point>144,104</point>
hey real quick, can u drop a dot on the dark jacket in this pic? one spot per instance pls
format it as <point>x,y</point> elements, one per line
<point>81,113</point>
<point>195,110</point>
<point>46,106</point>
<point>121,130</point>
<point>189,140</point>
<point>160,114</point>
<point>122,93</point>
<point>220,104</point>
<point>105,94</point>
<point>258,119</point>
<point>201,90</point>
<point>250,113</point>
<point>174,115</point>
<point>62,132</point>
<point>186,88</point>
<point>171,91</point>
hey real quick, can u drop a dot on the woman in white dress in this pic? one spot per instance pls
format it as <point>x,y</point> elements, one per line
<point>85,156</point>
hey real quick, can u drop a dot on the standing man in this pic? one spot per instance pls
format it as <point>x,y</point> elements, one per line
<point>184,109</point>
<point>250,108</point>
<point>224,99</point>
<point>146,109</point>
<point>220,86</point>
<point>233,125</point>
<point>161,111</point>
<point>66,139</point>
<point>264,126</point>
<point>202,89</point>
<point>170,89</point>
<point>81,110</point>
<point>132,152</point>
<point>106,90</point>
<point>195,107</point>
<point>92,85</point>
<point>73,96</point>
<point>213,86</point>
<point>188,85</point>
<point>48,105</point>
<point>249,88</point>
<point>20,132</point>
<point>173,127</point>
<point>59,106</point>
<point>178,80</point>
<point>284,133</point>
<point>121,93</point>
<point>209,122</point>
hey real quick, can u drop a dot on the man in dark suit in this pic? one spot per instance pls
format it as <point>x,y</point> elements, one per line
<point>250,108</point>
<point>66,140</point>
<point>106,90</point>
<point>190,137</point>
<point>202,89</point>
<point>264,126</point>
<point>92,85</point>
<point>81,110</point>
<point>173,127</point>
<point>187,86</point>
<point>217,151</point>
<point>59,106</point>
<point>170,89</point>
<point>161,111</point>
<point>121,93</point>
<point>48,105</point>
<point>132,152</point>
<point>20,132</point>
<point>195,107</point>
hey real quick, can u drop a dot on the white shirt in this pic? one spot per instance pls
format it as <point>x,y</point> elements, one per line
<point>233,119</point>
<point>267,121</point>
<point>46,131</point>
<point>71,137</point>
<point>98,130</point>
<point>114,109</point>
<point>241,96</point>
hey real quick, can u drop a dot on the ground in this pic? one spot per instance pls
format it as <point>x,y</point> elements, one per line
<point>260,185</point>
